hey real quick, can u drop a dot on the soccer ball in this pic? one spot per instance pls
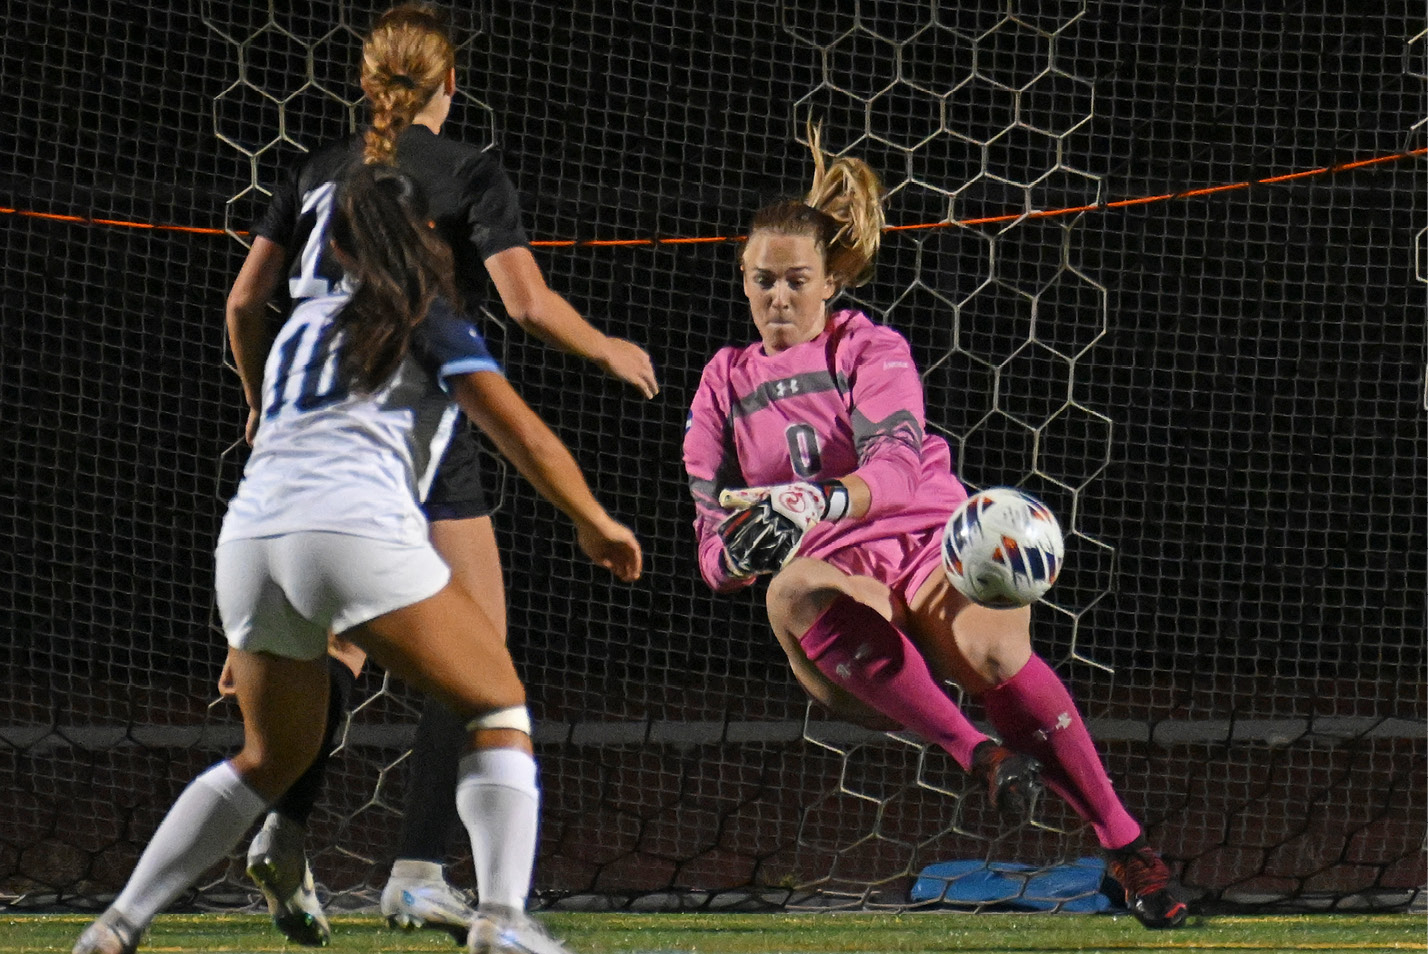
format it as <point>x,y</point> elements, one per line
<point>1002,548</point>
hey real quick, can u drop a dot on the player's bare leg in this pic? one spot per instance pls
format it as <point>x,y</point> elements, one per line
<point>277,857</point>
<point>469,548</point>
<point>789,618</point>
<point>445,646</point>
<point>283,702</point>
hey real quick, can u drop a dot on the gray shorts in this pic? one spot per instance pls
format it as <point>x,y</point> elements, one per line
<point>282,594</point>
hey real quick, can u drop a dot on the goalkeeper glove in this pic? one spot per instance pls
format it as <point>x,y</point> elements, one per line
<point>764,535</point>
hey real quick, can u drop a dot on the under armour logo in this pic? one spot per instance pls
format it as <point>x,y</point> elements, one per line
<point>785,388</point>
<point>1063,721</point>
<point>843,671</point>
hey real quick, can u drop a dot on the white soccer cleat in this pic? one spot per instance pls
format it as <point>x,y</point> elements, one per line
<point>278,866</point>
<point>409,903</point>
<point>502,930</point>
<point>109,934</point>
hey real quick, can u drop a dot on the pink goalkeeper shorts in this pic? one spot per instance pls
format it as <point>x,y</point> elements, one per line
<point>904,563</point>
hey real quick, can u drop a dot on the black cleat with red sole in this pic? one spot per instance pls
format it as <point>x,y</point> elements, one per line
<point>1148,885</point>
<point>1013,780</point>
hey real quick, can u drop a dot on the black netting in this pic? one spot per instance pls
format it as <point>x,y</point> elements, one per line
<point>1222,395</point>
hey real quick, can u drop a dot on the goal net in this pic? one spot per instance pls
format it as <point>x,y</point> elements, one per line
<point>1145,267</point>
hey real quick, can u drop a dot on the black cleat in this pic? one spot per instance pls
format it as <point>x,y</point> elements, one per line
<point>1148,885</point>
<point>1013,780</point>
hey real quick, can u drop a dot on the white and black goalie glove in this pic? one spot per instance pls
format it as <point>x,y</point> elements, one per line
<point>770,523</point>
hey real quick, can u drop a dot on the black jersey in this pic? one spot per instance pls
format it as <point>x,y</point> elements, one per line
<point>473,202</point>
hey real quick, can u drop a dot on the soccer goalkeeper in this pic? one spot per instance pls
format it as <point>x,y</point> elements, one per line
<point>823,416</point>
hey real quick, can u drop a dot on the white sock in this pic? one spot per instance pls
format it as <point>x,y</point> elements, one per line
<point>414,869</point>
<point>499,803</point>
<point>204,825</point>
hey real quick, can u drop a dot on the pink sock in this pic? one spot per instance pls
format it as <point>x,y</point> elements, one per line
<point>1035,715</point>
<point>865,654</point>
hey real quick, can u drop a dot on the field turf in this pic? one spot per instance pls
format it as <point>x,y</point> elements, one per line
<point>864,933</point>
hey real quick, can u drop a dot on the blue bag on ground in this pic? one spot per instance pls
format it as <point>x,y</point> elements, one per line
<point>1073,886</point>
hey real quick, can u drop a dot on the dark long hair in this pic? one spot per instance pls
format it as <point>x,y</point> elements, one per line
<point>396,264</point>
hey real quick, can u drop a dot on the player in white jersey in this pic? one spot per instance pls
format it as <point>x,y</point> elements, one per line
<point>326,533</point>
<point>823,418</point>
<point>318,436</point>
<point>408,77</point>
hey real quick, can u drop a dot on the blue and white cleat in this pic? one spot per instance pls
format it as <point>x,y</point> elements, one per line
<point>409,904</point>
<point>503,930</point>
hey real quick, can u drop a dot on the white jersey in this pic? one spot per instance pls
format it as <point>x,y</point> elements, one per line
<point>360,464</point>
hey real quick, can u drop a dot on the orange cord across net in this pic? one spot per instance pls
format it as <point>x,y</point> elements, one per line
<point>651,242</point>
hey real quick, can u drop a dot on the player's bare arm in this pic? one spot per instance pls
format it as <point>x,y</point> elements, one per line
<point>544,313</point>
<point>249,332</point>
<point>540,457</point>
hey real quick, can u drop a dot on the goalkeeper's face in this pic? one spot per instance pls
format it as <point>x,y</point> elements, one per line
<point>788,288</point>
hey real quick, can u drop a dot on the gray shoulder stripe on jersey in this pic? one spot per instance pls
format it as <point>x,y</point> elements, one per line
<point>767,393</point>
<point>898,426</point>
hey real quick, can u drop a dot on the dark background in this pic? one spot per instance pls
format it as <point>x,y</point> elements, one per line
<point>1221,395</point>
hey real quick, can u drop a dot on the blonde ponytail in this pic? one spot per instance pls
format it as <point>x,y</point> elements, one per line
<point>850,192</point>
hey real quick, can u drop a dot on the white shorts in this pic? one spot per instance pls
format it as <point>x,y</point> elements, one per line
<point>281,594</point>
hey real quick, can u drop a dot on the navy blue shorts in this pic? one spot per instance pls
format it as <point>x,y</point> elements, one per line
<point>457,493</point>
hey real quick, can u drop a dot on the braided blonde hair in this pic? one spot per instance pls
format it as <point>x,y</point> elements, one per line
<point>405,60</point>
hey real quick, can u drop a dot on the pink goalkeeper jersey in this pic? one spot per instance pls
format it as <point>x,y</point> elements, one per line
<point>849,401</point>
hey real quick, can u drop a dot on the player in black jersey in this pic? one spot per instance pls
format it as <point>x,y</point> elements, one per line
<point>409,79</point>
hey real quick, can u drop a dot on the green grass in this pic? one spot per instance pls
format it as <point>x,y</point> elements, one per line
<point>829,933</point>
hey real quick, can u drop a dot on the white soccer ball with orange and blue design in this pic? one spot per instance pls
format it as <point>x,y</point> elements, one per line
<point>1002,548</point>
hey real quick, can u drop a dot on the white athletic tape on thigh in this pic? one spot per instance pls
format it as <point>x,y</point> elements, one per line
<point>511,717</point>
